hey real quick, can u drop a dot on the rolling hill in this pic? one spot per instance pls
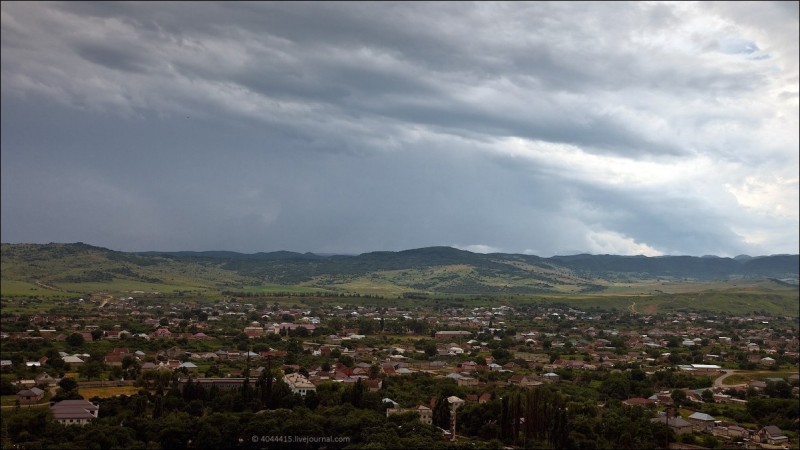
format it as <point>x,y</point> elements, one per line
<point>61,269</point>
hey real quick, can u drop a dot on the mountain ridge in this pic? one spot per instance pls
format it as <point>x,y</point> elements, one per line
<point>428,269</point>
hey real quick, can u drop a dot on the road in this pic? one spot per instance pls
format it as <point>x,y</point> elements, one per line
<point>106,299</point>
<point>726,374</point>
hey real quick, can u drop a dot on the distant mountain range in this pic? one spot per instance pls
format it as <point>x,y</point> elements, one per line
<point>432,269</point>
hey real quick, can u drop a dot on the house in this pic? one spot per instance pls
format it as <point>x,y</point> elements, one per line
<point>736,431</point>
<point>223,384</point>
<point>117,334</point>
<point>299,384</point>
<point>72,360</point>
<point>662,397</point>
<point>676,424</point>
<point>466,381</point>
<point>171,364</point>
<point>701,422</point>
<point>174,352</point>
<point>45,378</point>
<point>551,377</point>
<point>30,396</point>
<point>113,360</point>
<point>373,385</point>
<point>191,367</point>
<point>771,435</point>
<point>523,381</point>
<point>161,333</point>
<point>74,412</point>
<point>447,335</point>
<point>425,413</point>
<point>638,401</point>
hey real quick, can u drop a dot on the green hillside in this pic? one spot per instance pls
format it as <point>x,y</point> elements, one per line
<point>744,284</point>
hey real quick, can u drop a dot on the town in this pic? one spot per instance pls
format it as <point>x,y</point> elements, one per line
<point>416,372</point>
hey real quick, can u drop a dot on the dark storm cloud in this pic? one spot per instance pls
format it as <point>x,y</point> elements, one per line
<point>300,39</point>
<point>112,57</point>
<point>347,127</point>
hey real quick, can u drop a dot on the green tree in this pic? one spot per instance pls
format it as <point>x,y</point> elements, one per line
<point>678,397</point>
<point>374,371</point>
<point>68,384</point>
<point>441,414</point>
<point>347,360</point>
<point>75,340</point>
<point>97,334</point>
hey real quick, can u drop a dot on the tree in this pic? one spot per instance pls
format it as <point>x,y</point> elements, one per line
<point>347,360</point>
<point>616,386</point>
<point>75,340</point>
<point>68,384</point>
<point>91,369</point>
<point>213,371</point>
<point>158,407</point>
<point>301,332</point>
<point>441,413</point>
<point>430,348</point>
<point>678,397</point>
<point>97,334</point>
<point>708,396</point>
<point>374,371</point>
<point>358,393</point>
<point>780,389</point>
<point>7,388</point>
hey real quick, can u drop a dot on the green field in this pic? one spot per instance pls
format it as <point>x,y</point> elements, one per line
<point>279,289</point>
<point>757,375</point>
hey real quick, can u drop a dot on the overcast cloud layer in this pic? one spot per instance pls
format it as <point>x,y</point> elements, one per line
<point>544,128</point>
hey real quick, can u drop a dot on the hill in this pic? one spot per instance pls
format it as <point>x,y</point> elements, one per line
<point>60,269</point>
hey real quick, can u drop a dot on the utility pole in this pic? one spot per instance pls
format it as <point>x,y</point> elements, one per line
<point>668,428</point>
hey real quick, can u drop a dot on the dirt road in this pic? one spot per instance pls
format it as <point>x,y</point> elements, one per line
<point>725,374</point>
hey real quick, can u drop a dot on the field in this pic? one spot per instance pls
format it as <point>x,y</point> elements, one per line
<point>280,289</point>
<point>109,391</point>
<point>742,377</point>
<point>758,296</point>
<point>19,288</point>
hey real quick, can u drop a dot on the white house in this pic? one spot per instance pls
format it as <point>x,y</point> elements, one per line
<point>74,412</point>
<point>299,384</point>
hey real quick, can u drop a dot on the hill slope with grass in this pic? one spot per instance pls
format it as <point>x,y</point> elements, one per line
<point>66,269</point>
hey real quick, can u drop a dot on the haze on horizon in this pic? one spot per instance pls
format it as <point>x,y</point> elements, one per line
<point>542,128</point>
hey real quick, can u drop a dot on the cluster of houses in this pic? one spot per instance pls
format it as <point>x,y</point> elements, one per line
<point>703,423</point>
<point>458,335</point>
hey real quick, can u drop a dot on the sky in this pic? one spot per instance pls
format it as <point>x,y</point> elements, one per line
<point>541,128</point>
